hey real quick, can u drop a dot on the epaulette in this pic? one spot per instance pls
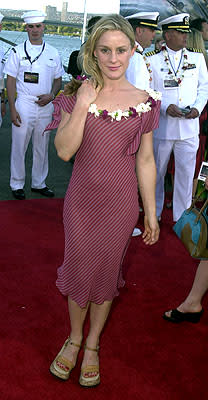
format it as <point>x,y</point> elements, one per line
<point>194,50</point>
<point>13,49</point>
<point>152,53</point>
<point>139,52</point>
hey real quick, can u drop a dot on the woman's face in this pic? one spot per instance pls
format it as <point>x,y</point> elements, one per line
<point>113,52</point>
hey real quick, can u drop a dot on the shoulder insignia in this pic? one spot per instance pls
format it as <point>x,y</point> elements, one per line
<point>194,50</point>
<point>13,49</point>
<point>138,51</point>
<point>152,53</point>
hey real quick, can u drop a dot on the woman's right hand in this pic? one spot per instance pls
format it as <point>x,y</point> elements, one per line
<point>87,93</point>
<point>206,183</point>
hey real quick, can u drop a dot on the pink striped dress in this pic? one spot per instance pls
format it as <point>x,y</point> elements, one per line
<point>101,204</point>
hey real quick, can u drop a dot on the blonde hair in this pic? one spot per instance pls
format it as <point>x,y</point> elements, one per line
<point>196,41</point>
<point>113,22</point>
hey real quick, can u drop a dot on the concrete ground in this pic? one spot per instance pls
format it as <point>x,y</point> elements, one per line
<point>59,171</point>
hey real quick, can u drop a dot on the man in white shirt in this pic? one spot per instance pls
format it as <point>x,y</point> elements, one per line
<point>34,70</point>
<point>181,75</point>
<point>144,25</point>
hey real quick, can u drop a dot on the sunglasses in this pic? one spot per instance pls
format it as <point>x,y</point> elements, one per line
<point>34,26</point>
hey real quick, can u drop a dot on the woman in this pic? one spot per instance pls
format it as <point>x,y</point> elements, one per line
<point>101,204</point>
<point>191,309</point>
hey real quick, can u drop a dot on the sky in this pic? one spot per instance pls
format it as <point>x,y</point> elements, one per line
<point>92,6</point>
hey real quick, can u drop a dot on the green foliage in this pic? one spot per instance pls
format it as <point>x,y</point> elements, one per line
<point>50,29</point>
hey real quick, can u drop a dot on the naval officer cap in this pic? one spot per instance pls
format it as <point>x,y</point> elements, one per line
<point>146,19</point>
<point>179,22</point>
<point>1,17</point>
<point>33,17</point>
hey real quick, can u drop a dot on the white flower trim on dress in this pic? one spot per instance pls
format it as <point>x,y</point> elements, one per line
<point>131,112</point>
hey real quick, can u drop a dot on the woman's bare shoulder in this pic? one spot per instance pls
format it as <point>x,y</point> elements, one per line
<point>141,96</point>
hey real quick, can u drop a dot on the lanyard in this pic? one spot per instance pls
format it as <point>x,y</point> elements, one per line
<point>175,72</point>
<point>36,58</point>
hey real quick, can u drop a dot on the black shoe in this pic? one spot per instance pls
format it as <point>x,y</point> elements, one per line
<point>44,191</point>
<point>19,194</point>
<point>177,316</point>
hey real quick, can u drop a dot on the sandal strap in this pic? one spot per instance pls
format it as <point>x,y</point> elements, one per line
<point>73,343</point>
<point>90,368</point>
<point>90,348</point>
<point>64,361</point>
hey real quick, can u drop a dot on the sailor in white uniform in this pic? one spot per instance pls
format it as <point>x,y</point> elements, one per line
<point>144,25</point>
<point>2,107</point>
<point>34,70</point>
<point>181,75</point>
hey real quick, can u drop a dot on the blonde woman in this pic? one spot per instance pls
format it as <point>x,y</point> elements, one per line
<point>108,123</point>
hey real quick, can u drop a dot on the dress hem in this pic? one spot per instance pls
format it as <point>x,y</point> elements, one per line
<point>84,304</point>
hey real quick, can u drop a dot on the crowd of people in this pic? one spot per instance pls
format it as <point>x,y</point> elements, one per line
<point>122,117</point>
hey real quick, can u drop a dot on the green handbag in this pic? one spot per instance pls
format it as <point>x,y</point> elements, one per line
<point>192,229</point>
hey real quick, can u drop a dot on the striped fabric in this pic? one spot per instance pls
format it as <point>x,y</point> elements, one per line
<point>101,205</point>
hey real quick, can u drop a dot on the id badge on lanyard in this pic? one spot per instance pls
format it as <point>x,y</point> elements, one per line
<point>169,82</point>
<point>31,77</point>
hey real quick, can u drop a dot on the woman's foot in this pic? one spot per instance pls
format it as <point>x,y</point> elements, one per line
<point>66,359</point>
<point>90,375</point>
<point>185,312</point>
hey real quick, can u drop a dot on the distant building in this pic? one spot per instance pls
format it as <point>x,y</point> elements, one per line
<point>64,13</point>
<point>51,13</point>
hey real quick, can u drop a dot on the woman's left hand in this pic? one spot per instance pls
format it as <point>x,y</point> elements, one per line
<point>151,230</point>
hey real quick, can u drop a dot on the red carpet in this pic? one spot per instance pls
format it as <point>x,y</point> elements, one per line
<point>142,356</point>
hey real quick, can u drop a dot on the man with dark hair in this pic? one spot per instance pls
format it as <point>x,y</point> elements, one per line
<point>144,25</point>
<point>34,70</point>
<point>76,57</point>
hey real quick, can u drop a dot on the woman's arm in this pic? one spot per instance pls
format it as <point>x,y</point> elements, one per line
<point>71,128</point>
<point>206,183</point>
<point>146,175</point>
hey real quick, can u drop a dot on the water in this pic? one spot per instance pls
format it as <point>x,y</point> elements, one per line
<point>64,44</point>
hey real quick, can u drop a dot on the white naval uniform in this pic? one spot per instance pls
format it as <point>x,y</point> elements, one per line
<point>34,118</point>
<point>1,77</point>
<point>137,73</point>
<point>179,135</point>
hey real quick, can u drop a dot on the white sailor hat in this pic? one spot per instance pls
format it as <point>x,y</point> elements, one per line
<point>33,17</point>
<point>1,17</point>
<point>179,22</point>
<point>148,19</point>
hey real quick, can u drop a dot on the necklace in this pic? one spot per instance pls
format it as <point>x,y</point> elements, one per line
<point>176,75</point>
<point>131,112</point>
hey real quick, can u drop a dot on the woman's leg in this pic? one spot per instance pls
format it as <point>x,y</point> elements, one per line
<point>200,285</point>
<point>98,317</point>
<point>192,303</point>
<point>77,317</point>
